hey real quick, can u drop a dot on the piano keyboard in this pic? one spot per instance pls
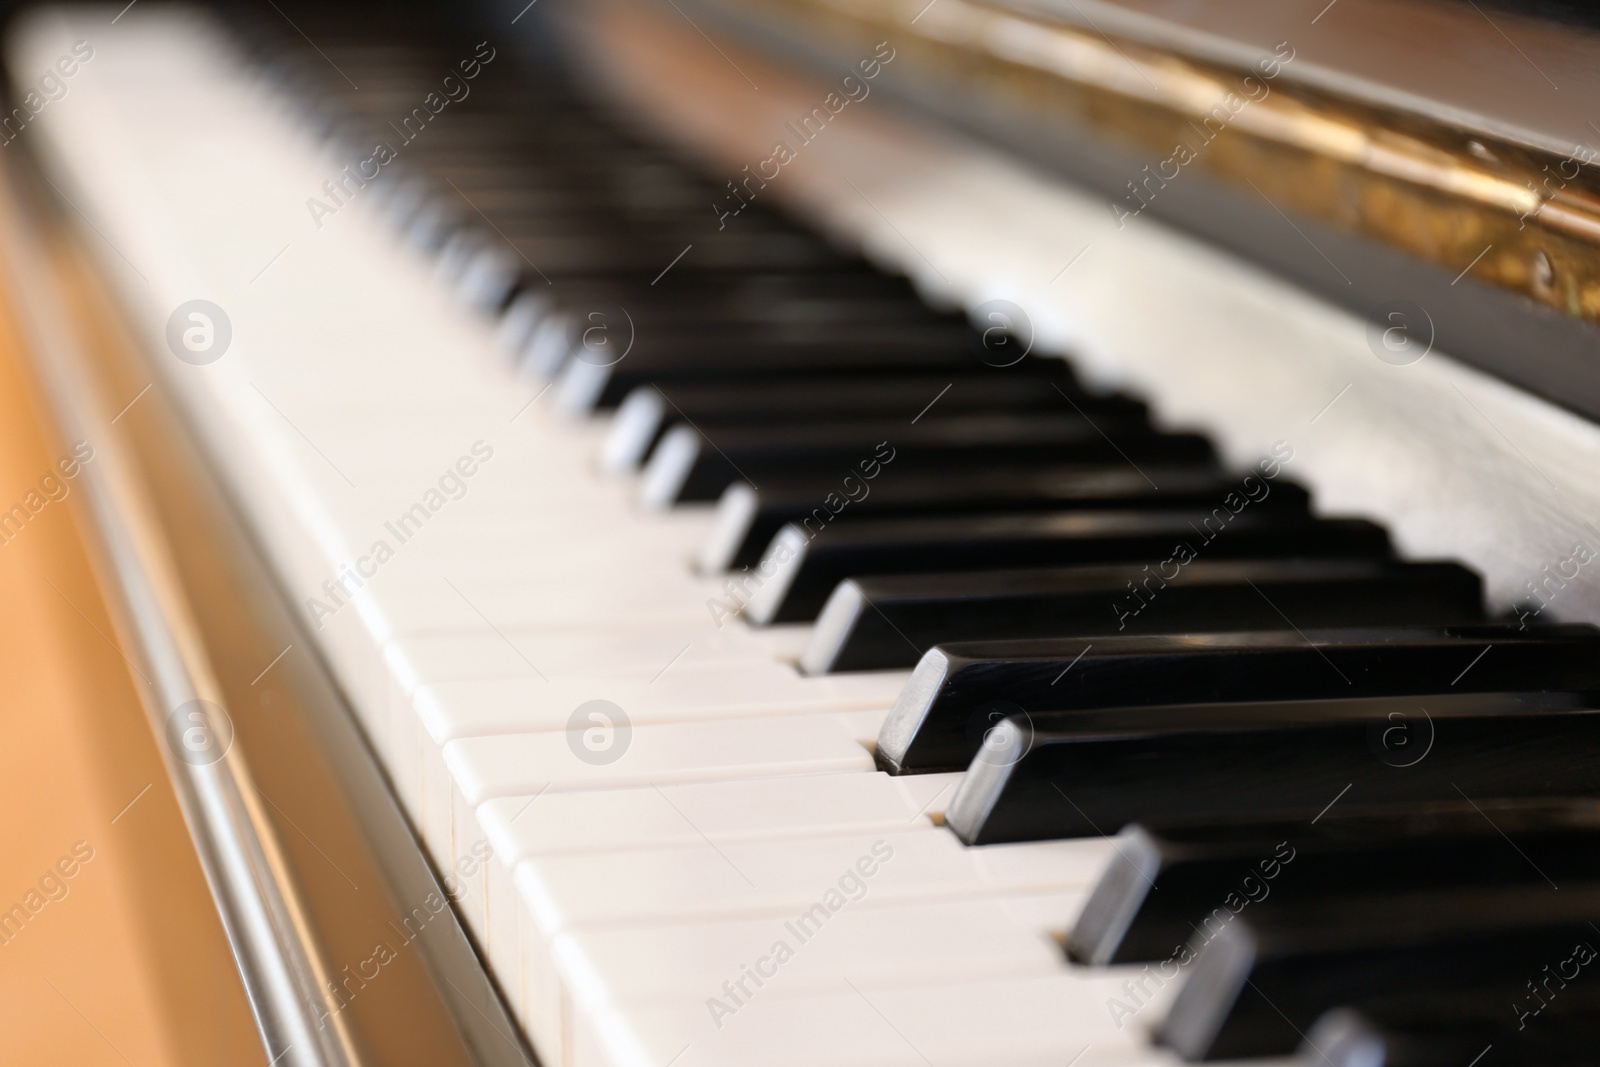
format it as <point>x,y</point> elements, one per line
<point>770,660</point>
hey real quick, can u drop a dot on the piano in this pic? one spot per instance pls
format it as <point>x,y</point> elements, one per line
<point>952,533</point>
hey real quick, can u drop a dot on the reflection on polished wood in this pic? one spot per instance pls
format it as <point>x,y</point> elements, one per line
<point>130,965</point>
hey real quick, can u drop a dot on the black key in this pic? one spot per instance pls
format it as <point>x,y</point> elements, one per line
<point>1262,981</point>
<point>1266,760</point>
<point>749,518</point>
<point>743,295</point>
<point>609,341</point>
<point>688,466</point>
<point>847,304</point>
<point>1345,1037</point>
<point>597,379</point>
<point>566,315</point>
<point>650,411</point>
<point>1163,884</point>
<point>575,246</point>
<point>885,621</point>
<point>793,315</point>
<point>798,572</point>
<point>959,690</point>
<point>746,296</point>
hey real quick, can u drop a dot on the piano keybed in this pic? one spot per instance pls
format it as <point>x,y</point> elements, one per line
<point>765,656</point>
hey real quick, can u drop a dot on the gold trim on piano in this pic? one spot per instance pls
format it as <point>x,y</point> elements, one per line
<point>1508,215</point>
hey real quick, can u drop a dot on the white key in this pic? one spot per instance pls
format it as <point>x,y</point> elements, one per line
<point>807,876</point>
<point>1058,1019</point>
<point>521,827</point>
<point>515,829</point>
<point>912,942</point>
<point>734,693</point>
<point>413,661</point>
<point>478,769</point>
<point>483,768</point>
<point>421,660</point>
<point>433,607</point>
<point>449,711</point>
<point>804,882</point>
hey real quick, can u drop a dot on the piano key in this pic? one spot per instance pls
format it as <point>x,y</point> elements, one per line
<point>916,943</point>
<point>1271,760</point>
<point>418,660</point>
<point>687,466</point>
<point>880,622</point>
<point>840,295</point>
<point>576,246</point>
<point>636,256</point>
<point>448,711</point>
<point>691,813</point>
<point>607,337</point>
<point>846,293</point>
<point>748,518</point>
<point>921,941</point>
<point>1025,1022</point>
<point>805,881</point>
<point>727,313</point>
<point>411,661</point>
<point>588,319</point>
<point>1343,1038</point>
<point>450,715</point>
<point>848,287</point>
<point>959,690</point>
<point>483,768</point>
<point>1261,981</point>
<point>1347,1038</point>
<point>584,385</point>
<point>613,754</point>
<point>798,571</point>
<point>787,877</point>
<point>512,830</point>
<point>650,411</point>
<point>427,604</point>
<point>1161,883</point>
